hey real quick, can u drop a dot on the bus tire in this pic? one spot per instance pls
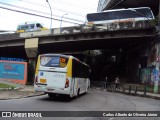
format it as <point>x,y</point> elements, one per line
<point>51,95</point>
<point>78,92</point>
<point>87,88</point>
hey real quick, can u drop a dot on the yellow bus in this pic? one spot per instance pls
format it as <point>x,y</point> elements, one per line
<point>29,27</point>
<point>58,74</point>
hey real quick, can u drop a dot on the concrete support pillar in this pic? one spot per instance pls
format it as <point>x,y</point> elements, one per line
<point>31,70</point>
<point>157,66</point>
<point>32,61</point>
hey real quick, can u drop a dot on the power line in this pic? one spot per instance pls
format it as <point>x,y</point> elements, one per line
<point>118,3</point>
<point>37,15</point>
<point>69,3</point>
<point>37,11</point>
<point>54,8</point>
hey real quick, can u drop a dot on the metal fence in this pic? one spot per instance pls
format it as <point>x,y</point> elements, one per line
<point>123,87</point>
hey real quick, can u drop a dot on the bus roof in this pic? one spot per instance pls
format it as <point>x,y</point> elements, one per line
<point>52,54</point>
<point>122,9</point>
<point>126,9</point>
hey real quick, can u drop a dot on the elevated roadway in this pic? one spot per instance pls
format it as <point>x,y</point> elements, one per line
<point>80,38</point>
<point>75,39</point>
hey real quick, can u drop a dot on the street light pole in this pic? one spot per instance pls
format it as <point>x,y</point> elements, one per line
<point>51,17</point>
<point>61,21</point>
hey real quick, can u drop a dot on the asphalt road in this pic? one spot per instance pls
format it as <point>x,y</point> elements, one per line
<point>93,101</point>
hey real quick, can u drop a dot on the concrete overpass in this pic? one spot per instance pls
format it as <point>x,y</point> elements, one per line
<point>78,38</point>
<point>134,38</point>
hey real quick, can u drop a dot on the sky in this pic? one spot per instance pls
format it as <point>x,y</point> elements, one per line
<point>72,10</point>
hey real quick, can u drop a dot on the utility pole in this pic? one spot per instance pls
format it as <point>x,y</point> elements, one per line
<point>61,22</point>
<point>51,16</point>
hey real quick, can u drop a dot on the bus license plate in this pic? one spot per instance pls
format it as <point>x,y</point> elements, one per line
<point>42,80</point>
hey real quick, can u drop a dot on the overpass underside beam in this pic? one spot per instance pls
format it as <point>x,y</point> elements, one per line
<point>96,40</point>
<point>31,47</point>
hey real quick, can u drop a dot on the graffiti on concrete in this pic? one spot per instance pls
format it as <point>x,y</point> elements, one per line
<point>150,75</point>
<point>152,57</point>
<point>154,75</point>
<point>145,75</point>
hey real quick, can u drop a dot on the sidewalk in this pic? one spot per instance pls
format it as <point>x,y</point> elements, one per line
<point>148,94</point>
<point>21,91</point>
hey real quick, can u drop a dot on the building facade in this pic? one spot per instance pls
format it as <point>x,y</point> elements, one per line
<point>115,4</point>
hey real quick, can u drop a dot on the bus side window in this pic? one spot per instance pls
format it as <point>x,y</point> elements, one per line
<point>74,68</point>
<point>32,26</point>
<point>79,70</point>
<point>18,28</point>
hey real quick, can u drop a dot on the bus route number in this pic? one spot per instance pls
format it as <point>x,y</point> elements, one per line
<point>62,60</point>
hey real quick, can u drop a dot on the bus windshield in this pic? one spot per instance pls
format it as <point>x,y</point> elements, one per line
<point>53,61</point>
<point>121,14</point>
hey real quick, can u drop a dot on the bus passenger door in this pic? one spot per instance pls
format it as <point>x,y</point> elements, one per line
<point>85,84</point>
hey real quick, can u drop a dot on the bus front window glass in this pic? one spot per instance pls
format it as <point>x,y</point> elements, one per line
<point>39,25</point>
<point>23,27</point>
<point>145,12</point>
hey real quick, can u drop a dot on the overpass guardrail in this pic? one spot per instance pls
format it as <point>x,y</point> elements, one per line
<point>83,28</point>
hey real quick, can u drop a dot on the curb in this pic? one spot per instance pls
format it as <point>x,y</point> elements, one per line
<point>146,96</point>
<point>10,88</point>
<point>23,96</point>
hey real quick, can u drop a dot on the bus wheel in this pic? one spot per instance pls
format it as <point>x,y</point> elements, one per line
<point>78,92</point>
<point>87,88</point>
<point>51,95</point>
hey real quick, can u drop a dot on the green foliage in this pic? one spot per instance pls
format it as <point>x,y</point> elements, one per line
<point>2,85</point>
